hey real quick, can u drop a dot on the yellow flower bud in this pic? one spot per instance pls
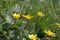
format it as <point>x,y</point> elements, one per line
<point>40,14</point>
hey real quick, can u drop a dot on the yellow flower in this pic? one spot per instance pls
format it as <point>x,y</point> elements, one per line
<point>17,16</point>
<point>32,37</point>
<point>5,32</point>
<point>40,14</point>
<point>27,16</point>
<point>57,24</point>
<point>49,33</point>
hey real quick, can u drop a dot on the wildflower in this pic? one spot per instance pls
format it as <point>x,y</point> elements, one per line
<point>27,16</point>
<point>5,32</point>
<point>57,24</point>
<point>49,33</point>
<point>32,37</point>
<point>40,14</point>
<point>17,16</point>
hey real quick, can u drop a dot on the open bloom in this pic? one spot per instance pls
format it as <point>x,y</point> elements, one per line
<point>17,16</point>
<point>49,33</point>
<point>40,14</point>
<point>32,37</point>
<point>27,16</point>
<point>57,24</point>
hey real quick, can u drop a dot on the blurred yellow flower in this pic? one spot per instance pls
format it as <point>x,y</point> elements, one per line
<point>17,16</point>
<point>5,0</point>
<point>40,14</point>
<point>27,16</point>
<point>32,37</point>
<point>5,32</point>
<point>49,33</point>
<point>57,24</point>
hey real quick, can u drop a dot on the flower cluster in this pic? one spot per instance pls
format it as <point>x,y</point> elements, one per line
<point>29,20</point>
<point>17,16</point>
<point>39,14</point>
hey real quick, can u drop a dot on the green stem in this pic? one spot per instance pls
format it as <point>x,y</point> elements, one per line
<point>52,5</point>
